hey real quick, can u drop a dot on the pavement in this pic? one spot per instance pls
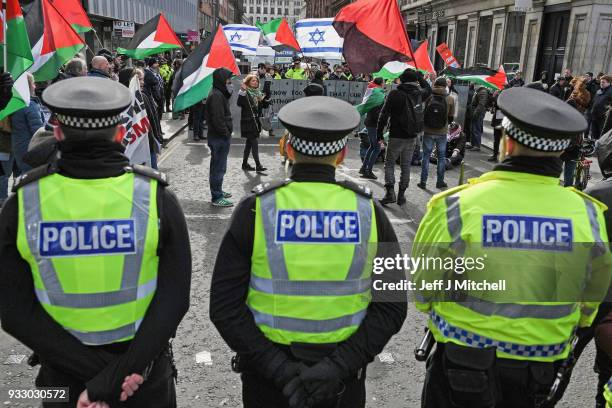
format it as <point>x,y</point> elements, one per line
<point>394,379</point>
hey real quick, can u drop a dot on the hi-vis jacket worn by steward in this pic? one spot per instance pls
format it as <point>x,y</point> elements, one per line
<point>545,241</point>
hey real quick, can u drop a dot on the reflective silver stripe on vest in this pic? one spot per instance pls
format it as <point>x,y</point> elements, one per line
<point>32,219</point>
<point>477,340</point>
<point>53,293</point>
<point>360,256</point>
<point>276,257</point>
<point>455,224</point>
<point>108,336</point>
<point>599,247</point>
<point>308,326</point>
<point>310,288</point>
<point>96,300</point>
<point>517,311</point>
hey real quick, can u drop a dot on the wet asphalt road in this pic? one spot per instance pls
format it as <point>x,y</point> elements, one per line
<point>209,382</point>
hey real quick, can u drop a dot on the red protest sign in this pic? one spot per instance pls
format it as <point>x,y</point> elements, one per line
<point>447,56</point>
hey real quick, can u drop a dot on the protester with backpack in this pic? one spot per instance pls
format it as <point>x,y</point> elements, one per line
<point>403,110</point>
<point>438,114</point>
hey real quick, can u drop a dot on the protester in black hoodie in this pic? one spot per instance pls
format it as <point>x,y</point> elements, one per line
<point>220,128</point>
<point>403,110</point>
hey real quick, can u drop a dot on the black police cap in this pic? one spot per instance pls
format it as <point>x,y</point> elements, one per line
<point>319,125</point>
<point>539,120</point>
<point>87,102</point>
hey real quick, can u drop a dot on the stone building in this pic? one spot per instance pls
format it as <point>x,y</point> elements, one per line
<point>266,10</point>
<point>549,36</point>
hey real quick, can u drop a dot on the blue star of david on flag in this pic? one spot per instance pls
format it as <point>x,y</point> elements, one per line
<point>316,36</point>
<point>235,37</point>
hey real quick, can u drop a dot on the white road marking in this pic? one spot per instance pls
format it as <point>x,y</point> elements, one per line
<point>386,358</point>
<point>14,359</point>
<point>204,357</point>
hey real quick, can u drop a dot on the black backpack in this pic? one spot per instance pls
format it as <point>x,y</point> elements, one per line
<point>436,112</point>
<point>415,112</point>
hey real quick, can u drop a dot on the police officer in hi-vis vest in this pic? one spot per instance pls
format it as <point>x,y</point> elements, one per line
<point>291,288</point>
<point>504,347</point>
<point>96,264</point>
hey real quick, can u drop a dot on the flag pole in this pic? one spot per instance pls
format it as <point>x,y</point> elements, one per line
<point>4,29</point>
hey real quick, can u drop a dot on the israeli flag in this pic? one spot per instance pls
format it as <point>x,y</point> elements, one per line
<point>318,38</point>
<point>243,38</point>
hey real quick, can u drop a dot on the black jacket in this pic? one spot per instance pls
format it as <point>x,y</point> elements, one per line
<point>557,91</point>
<point>372,116</point>
<point>153,87</point>
<point>603,98</point>
<point>231,279</point>
<point>102,369</point>
<point>218,114</point>
<point>250,126</point>
<point>395,110</point>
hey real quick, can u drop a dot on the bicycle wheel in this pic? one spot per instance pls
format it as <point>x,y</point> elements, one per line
<point>585,178</point>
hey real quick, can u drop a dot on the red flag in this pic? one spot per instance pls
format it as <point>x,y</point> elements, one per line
<point>221,55</point>
<point>374,34</point>
<point>421,56</point>
<point>75,15</point>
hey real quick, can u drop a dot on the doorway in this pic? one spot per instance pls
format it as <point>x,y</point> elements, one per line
<point>553,42</point>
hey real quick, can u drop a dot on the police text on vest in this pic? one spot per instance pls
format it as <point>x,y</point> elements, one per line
<point>527,232</point>
<point>307,226</point>
<point>78,238</point>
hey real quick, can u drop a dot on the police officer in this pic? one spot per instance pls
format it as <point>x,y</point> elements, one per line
<point>96,264</point>
<point>290,289</point>
<point>504,348</point>
<point>296,71</point>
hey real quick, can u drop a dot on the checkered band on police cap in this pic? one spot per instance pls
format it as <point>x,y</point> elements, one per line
<point>318,149</point>
<point>89,123</point>
<point>534,142</point>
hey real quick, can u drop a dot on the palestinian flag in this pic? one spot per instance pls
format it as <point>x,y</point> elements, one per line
<point>375,98</point>
<point>19,57</point>
<point>73,12</point>
<point>374,34</point>
<point>194,81</point>
<point>155,37</point>
<point>495,80</point>
<point>53,40</point>
<point>278,35</point>
<point>394,69</point>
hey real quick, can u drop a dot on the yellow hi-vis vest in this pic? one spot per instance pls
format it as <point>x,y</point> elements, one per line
<point>92,249</point>
<point>542,239</point>
<point>312,260</point>
<point>608,394</point>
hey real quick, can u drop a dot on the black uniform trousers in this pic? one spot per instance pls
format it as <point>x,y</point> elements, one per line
<point>257,392</point>
<point>158,391</point>
<point>521,383</point>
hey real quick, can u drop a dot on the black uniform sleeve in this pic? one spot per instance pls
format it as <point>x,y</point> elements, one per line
<point>386,313</point>
<point>24,318</point>
<point>169,305</point>
<point>229,289</point>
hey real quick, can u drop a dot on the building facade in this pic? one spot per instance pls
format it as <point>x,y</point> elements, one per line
<point>227,11</point>
<point>266,10</point>
<point>550,36</point>
<point>324,8</point>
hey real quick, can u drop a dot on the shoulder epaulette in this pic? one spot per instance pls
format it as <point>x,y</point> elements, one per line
<point>357,188</point>
<point>449,192</point>
<point>585,196</point>
<point>34,175</point>
<point>264,188</point>
<point>145,171</point>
